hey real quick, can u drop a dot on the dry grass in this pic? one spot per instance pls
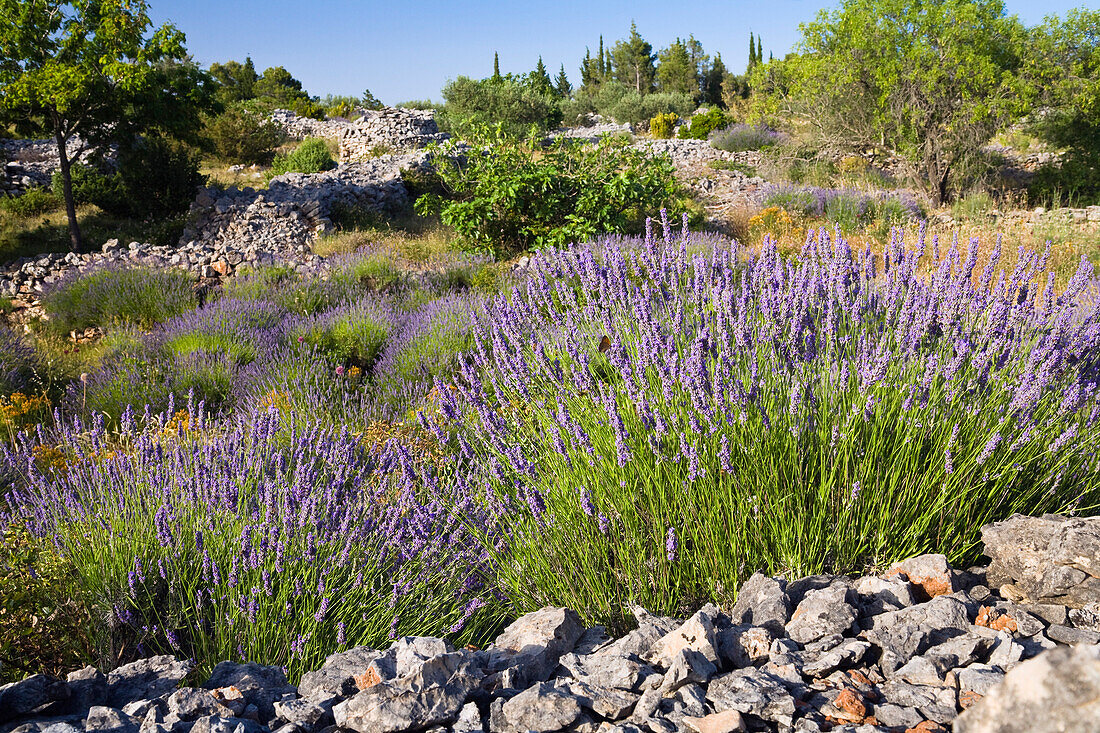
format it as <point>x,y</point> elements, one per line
<point>414,239</point>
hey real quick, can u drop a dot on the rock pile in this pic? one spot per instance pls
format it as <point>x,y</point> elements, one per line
<point>392,129</point>
<point>298,128</point>
<point>685,152</point>
<point>590,133</point>
<point>234,227</point>
<point>904,651</point>
<point>29,163</point>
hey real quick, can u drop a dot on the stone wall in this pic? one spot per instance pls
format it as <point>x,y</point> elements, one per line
<point>299,128</point>
<point>395,128</point>
<point>29,163</point>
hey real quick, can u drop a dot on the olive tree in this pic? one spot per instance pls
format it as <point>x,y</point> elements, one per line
<point>89,70</point>
<point>930,81</point>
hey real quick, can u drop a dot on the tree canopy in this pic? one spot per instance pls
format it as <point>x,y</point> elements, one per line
<point>89,71</point>
<point>930,82</point>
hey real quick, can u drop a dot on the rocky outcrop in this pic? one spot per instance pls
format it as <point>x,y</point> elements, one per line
<point>905,651</point>
<point>394,129</point>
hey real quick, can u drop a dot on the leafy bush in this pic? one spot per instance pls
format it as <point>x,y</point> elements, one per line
<point>738,138</point>
<point>509,102</point>
<point>240,136</point>
<point>43,620</point>
<point>154,177</point>
<point>702,125</point>
<point>662,125</point>
<point>506,199</point>
<point>119,297</point>
<point>33,202</point>
<point>312,156</point>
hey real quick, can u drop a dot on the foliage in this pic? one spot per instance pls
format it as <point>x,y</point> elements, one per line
<point>847,208</point>
<point>975,207</point>
<point>87,69</point>
<point>931,83</point>
<point>32,202</point>
<point>43,622</point>
<point>682,68</point>
<point>752,413</point>
<point>235,80</point>
<point>663,125</point>
<point>352,336</point>
<point>118,297</point>
<point>154,178</point>
<point>515,103</point>
<point>633,62</point>
<point>312,156</point>
<point>1063,67</point>
<point>625,105</point>
<point>702,125</point>
<point>505,199</point>
<point>740,137</point>
<point>240,136</point>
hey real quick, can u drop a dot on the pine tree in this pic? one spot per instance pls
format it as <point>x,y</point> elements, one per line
<point>633,59</point>
<point>562,85</point>
<point>675,72</point>
<point>712,92</point>
<point>539,79</point>
<point>496,66</point>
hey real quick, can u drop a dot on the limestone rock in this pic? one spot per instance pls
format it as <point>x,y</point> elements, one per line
<point>1057,691</point>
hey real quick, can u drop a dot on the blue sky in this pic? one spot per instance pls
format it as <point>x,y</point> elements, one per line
<point>406,50</point>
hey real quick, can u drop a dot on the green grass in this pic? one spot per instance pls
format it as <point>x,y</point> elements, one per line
<point>40,233</point>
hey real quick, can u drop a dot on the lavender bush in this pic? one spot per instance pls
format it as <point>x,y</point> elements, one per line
<point>848,208</point>
<point>740,137</point>
<point>17,362</point>
<point>270,542</point>
<point>353,335</point>
<point>664,424</point>
<point>119,297</point>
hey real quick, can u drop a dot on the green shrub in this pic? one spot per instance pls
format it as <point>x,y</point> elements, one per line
<point>507,101</point>
<point>702,125</point>
<point>505,199</point>
<point>119,297</point>
<point>240,136</point>
<point>661,126</point>
<point>33,202</point>
<point>312,156</point>
<point>154,178</point>
<point>354,335</point>
<point>974,207</point>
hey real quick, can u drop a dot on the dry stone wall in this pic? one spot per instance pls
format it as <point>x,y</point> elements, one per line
<point>29,163</point>
<point>395,129</point>
<point>299,128</point>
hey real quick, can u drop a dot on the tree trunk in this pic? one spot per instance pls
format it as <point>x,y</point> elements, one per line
<point>67,185</point>
<point>941,186</point>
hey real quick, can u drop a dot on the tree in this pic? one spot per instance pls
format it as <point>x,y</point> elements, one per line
<point>633,60</point>
<point>605,66</point>
<point>496,66</point>
<point>279,88</point>
<point>759,51</point>
<point>235,80</point>
<point>1063,70</point>
<point>562,85</point>
<point>929,82</point>
<point>675,71</point>
<point>369,101</point>
<point>712,89</point>
<point>540,80</point>
<point>85,72</point>
<point>752,52</point>
<point>590,71</point>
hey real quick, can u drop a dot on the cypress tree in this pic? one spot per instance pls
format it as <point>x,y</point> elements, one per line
<point>752,51</point>
<point>496,66</point>
<point>759,51</point>
<point>600,61</point>
<point>562,85</point>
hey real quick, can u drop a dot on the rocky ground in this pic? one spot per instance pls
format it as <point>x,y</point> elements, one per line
<point>1014,646</point>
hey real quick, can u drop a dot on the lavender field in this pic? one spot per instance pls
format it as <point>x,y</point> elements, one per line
<point>306,463</point>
